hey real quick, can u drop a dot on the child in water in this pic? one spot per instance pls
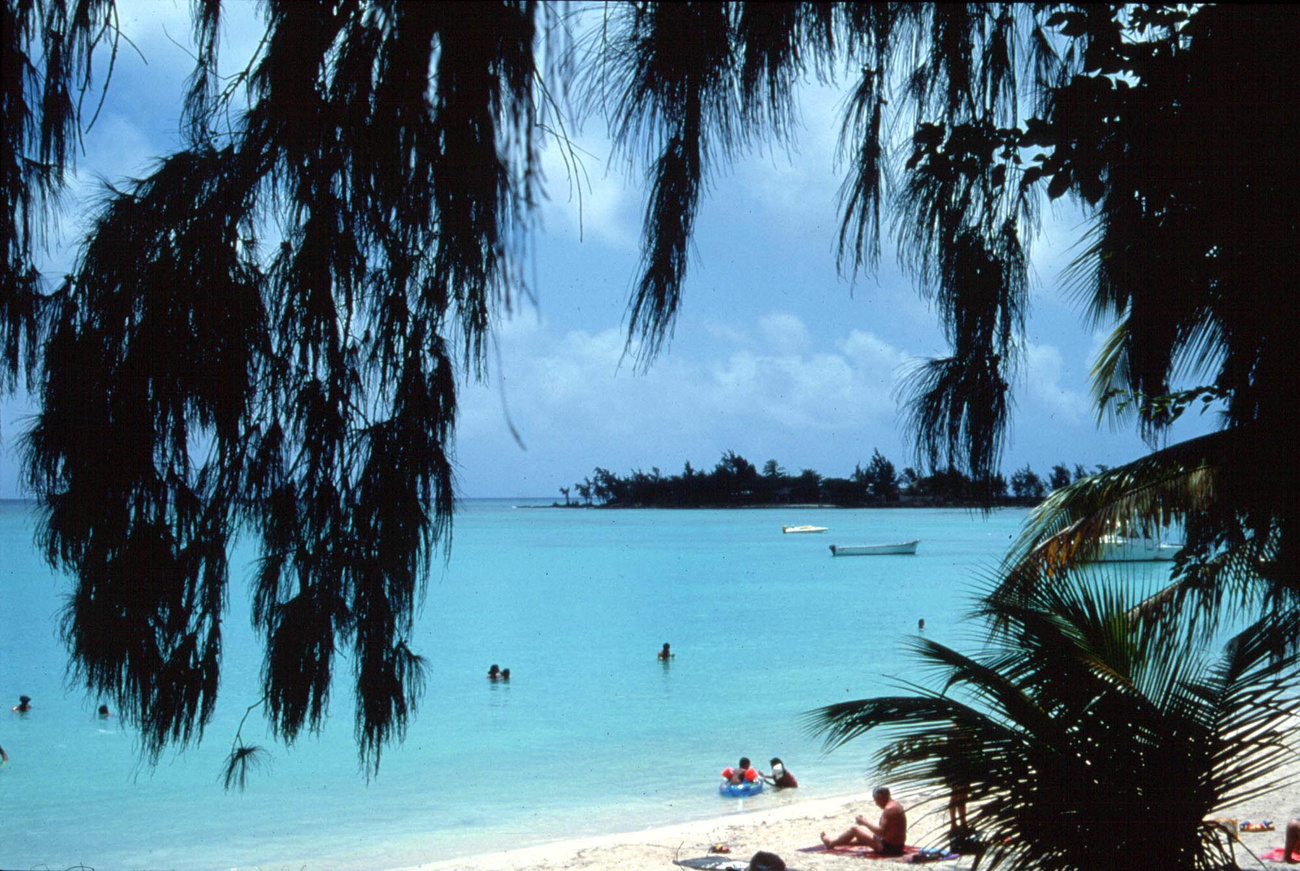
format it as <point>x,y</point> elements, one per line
<point>742,773</point>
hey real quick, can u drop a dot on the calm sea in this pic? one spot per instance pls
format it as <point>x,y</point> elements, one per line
<point>592,735</point>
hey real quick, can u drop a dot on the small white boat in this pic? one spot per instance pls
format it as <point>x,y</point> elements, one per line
<point>792,529</point>
<point>1118,549</point>
<point>903,547</point>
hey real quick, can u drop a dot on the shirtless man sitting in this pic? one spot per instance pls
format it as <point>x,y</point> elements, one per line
<point>885,838</point>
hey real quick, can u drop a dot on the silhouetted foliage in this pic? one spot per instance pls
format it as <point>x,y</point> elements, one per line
<point>194,383</point>
<point>191,382</point>
<point>1076,718</point>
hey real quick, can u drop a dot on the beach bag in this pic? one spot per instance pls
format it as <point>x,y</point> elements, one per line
<point>765,861</point>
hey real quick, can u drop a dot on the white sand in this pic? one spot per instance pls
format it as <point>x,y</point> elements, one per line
<point>787,829</point>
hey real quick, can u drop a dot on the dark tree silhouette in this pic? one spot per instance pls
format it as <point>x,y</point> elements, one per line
<point>191,382</point>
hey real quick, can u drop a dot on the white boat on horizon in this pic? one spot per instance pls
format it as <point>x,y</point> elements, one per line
<point>1119,549</point>
<point>803,529</point>
<point>902,547</point>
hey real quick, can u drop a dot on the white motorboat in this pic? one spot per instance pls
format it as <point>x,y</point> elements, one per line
<point>903,547</point>
<point>788,530</point>
<point>1119,549</point>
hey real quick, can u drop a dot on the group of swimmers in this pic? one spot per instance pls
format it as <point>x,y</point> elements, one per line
<point>780,777</point>
<point>495,673</point>
<point>25,705</point>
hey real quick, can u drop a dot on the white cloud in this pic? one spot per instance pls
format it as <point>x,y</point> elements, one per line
<point>588,198</point>
<point>1044,371</point>
<point>576,400</point>
<point>785,332</point>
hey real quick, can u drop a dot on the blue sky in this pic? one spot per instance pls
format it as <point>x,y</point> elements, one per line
<point>775,355</point>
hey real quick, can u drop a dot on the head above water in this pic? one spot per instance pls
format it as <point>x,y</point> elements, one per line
<point>22,700</point>
<point>494,669</point>
<point>505,673</point>
<point>744,763</point>
<point>665,647</point>
<point>103,710</point>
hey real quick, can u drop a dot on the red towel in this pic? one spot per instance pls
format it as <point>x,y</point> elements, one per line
<point>860,852</point>
<point>1274,855</point>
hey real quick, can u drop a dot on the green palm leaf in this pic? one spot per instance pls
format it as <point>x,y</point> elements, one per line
<point>1086,739</point>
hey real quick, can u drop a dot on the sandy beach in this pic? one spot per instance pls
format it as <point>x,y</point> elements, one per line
<point>788,830</point>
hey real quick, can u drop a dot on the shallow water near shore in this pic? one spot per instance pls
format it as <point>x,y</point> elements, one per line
<point>592,735</point>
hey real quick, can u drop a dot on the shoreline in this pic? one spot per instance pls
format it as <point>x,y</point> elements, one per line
<point>782,830</point>
<point>787,831</point>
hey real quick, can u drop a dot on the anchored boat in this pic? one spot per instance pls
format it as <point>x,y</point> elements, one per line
<point>902,547</point>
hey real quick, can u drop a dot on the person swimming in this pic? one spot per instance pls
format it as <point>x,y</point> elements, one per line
<point>494,672</point>
<point>505,675</point>
<point>104,712</point>
<point>24,704</point>
<point>665,653</point>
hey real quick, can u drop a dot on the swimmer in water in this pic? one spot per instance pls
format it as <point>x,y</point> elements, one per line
<point>505,675</point>
<point>742,773</point>
<point>24,704</point>
<point>104,712</point>
<point>494,672</point>
<point>666,653</point>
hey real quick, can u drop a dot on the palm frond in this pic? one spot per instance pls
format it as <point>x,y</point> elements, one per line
<point>243,760</point>
<point>1135,728</point>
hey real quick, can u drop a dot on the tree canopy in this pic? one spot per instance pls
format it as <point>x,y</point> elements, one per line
<point>266,330</point>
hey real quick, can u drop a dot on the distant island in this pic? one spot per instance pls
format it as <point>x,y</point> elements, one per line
<point>737,483</point>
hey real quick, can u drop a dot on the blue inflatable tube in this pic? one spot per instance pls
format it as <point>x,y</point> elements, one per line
<point>740,790</point>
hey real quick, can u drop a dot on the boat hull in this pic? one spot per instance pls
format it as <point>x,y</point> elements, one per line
<point>1134,550</point>
<point>803,530</point>
<point>904,548</point>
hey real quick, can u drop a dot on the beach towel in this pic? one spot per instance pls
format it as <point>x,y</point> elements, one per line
<point>862,852</point>
<point>1274,855</point>
<point>717,863</point>
<point>911,855</point>
<point>714,863</point>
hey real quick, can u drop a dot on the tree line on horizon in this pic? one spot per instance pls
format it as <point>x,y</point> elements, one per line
<point>735,481</point>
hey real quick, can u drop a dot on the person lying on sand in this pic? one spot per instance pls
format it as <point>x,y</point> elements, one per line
<point>886,838</point>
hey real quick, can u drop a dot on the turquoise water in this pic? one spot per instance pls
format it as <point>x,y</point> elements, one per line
<point>592,735</point>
